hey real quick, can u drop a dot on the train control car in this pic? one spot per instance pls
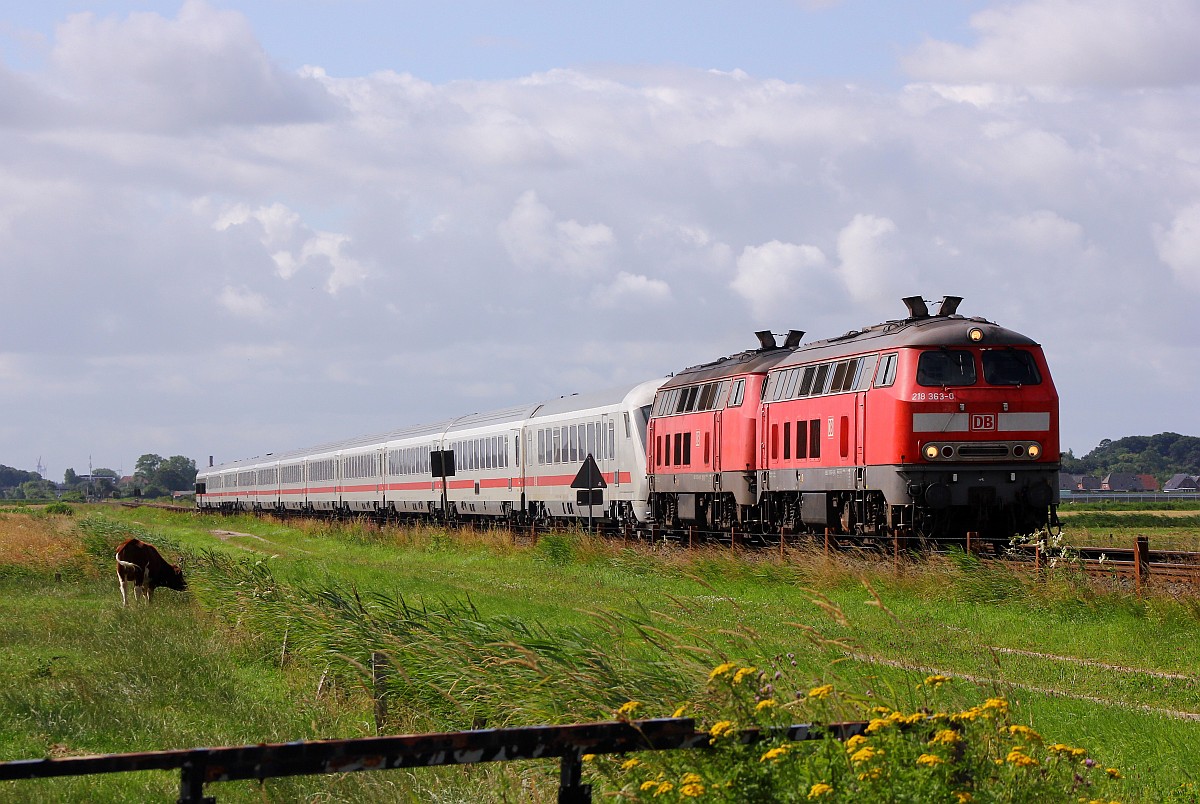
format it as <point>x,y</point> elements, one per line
<point>703,436</point>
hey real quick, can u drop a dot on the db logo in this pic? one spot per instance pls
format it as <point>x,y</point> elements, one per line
<point>983,421</point>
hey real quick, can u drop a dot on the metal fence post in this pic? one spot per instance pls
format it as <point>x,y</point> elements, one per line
<point>571,789</point>
<point>191,784</point>
<point>1141,562</point>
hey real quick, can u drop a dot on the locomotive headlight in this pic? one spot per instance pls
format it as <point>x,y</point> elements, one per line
<point>1035,450</point>
<point>931,451</point>
<point>974,334</point>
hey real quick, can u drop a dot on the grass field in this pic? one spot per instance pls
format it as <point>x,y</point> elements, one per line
<point>271,642</point>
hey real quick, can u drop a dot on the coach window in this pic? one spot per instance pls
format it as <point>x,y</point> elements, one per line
<point>801,439</point>
<point>739,390</point>
<point>658,451</point>
<point>679,449</point>
<point>845,436</point>
<point>707,449</point>
<point>806,385</point>
<point>814,438</point>
<point>943,367</point>
<point>774,442</point>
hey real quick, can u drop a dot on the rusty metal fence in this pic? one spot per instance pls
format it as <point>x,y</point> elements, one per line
<point>200,766</point>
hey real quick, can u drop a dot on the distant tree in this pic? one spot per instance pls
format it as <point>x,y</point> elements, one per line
<point>11,478</point>
<point>147,466</point>
<point>176,473</point>
<point>38,490</point>
<point>70,478</point>
<point>1160,455</point>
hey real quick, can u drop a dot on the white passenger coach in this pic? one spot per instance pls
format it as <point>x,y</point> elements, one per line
<point>517,464</point>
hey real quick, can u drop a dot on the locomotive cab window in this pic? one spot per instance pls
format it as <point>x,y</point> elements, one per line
<point>739,391</point>
<point>1010,367</point>
<point>886,374</point>
<point>945,367</point>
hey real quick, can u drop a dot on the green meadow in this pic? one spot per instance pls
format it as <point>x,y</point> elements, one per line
<point>274,639</point>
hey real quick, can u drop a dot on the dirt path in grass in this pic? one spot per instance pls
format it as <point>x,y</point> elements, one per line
<point>985,681</point>
<point>226,535</point>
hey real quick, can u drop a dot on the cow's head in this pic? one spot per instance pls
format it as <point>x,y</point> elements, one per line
<point>175,580</point>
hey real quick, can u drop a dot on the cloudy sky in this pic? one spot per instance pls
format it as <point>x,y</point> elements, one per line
<point>231,227</point>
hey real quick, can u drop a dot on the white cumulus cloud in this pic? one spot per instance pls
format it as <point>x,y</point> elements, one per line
<point>1122,43</point>
<point>535,240</point>
<point>866,261</point>
<point>1179,246</point>
<point>769,277</point>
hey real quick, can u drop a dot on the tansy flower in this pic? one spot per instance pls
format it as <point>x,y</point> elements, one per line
<point>679,712</point>
<point>630,763</point>
<point>996,703</point>
<point>721,670</point>
<point>1017,757</point>
<point>741,674</point>
<point>854,742</point>
<point>663,787</point>
<point>821,691</point>
<point>774,754</point>
<point>929,759</point>
<point>877,724</point>
<point>720,729</point>
<point>1113,773</point>
<point>936,680</point>
<point>648,785</point>
<point>588,757</point>
<point>691,790</point>
<point>963,797</point>
<point>820,789</point>
<point>1024,731</point>
<point>945,737</point>
<point>872,774</point>
<point>628,708</point>
<point>690,778</point>
<point>767,704</point>
<point>865,754</point>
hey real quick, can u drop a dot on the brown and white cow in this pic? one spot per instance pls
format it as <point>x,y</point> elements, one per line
<point>139,563</point>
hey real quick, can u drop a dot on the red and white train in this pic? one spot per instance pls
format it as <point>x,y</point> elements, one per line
<point>935,425</point>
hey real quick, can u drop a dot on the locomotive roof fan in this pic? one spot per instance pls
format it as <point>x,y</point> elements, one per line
<point>917,308</point>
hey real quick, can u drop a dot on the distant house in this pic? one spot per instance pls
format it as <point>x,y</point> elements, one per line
<point>1069,482</point>
<point>1149,482</point>
<point>1182,483</point>
<point>1121,481</point>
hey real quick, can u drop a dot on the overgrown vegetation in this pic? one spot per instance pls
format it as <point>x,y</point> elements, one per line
<point>283,621</point>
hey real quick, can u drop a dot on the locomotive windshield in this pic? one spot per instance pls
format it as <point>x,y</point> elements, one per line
<point>946,367</point>
<point>1010,367</point>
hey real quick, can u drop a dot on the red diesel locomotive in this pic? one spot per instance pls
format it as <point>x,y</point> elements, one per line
<point>934,425</point>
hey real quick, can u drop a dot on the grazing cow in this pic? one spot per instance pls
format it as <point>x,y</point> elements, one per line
<point>139,563</point>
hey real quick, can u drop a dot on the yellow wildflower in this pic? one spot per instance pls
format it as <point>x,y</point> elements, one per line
<point>663,787</point>
<point>913,719</point>
<point>870,775</point>
<point>877,724</point>
<point>996,703</point>
<point>648,785</point>
<point>854,742</point>
<point>880,710</point>
<point>774,754</point>
<point>628,708</point>
<point>720,670</point>
<point>963,797</point>
<point>865,754</point>
<point>1024,731</point>
<point>764,704</point>
<point>720,729</point>
<point>1113,773</point>
<point>588,757</point>
<point>1018,757</point>
<point>690,778</point>
<point>680,710</point>
<point>936,680</point>
<point>630,763</point>
<point>945,737</point>
<point>930,760</point>
<point>740,675</point>
<point>820,789</point>
<point>822,691</point>
<point>1060,748</point>
<point>691,790</point>
<point>1078,753</point>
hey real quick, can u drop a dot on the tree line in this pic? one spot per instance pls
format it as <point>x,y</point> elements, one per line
<point>153,476</point>
<point>1161,455</point>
